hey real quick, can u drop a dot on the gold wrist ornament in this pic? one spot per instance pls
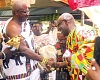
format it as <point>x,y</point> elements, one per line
<point>52,69</point>
<point>44,61</point>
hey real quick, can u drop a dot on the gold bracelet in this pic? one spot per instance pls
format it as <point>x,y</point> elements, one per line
<point>52,69</point>
<point>44,61</point>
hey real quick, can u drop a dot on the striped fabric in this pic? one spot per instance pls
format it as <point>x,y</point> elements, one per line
<point>19,76</point>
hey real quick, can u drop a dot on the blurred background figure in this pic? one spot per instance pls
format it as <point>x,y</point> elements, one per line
<point>45,47</point>
<point>41,39</point>
<point>61,72</point>
<point>52,30</point>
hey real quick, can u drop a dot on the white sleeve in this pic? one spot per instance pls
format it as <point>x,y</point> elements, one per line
<point>67,53</point>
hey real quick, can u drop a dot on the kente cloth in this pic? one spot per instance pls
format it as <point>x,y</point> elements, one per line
<point>15,41</point>
<point>44,40</point>
<point>80,42</point>
<point>17,65</point>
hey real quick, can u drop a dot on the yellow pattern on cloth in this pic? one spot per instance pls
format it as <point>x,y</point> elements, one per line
<point>81,44</point>
<point>15,41</point>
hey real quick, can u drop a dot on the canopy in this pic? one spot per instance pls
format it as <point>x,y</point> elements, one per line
<point>93,13</point>
<point>76,4</point>
<point>8,3</point>
<point>90,7</point>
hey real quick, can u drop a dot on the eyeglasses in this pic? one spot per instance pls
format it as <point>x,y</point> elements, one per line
<point>23,11</point>
<point>59,25</point>
<point>35,26</point>
<point>60,22</point>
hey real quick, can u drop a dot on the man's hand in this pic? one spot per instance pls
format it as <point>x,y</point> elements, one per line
<point>93,74</point>
<point>51,64</point>
<point>22,46</point>
<point>8,52</point>
<point>67,56</point>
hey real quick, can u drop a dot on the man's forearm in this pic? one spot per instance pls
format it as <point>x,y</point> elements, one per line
<point>61,64</point>
<point>32,55</point>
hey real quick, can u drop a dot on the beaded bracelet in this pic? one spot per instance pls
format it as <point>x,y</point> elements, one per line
<point>4,56</point>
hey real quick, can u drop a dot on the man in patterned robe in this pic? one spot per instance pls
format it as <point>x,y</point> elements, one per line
<point>80,42</point>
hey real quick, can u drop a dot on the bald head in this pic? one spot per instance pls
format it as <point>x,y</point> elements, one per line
<point>65,16</point>
<point>18,5</point>
<point>65,23</point>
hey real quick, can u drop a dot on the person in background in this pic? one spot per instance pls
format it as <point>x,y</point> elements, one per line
<point>23,63</point>
<point>62,72</point>
<point>52,30</point>
<point>61,43</point>
<point>93,74</point>
<point>43,40</point>
<point>80,43</point>
<point>39,38</point>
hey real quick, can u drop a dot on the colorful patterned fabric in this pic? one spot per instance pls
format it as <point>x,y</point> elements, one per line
<point>19,76</point>
<point>81,44</point>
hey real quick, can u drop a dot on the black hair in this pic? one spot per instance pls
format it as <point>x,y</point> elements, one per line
<point>38,23</point>
<point>53,21</point>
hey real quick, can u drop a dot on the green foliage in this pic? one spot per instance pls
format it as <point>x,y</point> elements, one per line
<point>49,17</point>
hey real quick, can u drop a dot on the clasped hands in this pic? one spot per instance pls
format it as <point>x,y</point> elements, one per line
<point>50,65</point>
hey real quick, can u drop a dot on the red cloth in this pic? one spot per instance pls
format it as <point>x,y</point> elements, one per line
<point>75,4</point>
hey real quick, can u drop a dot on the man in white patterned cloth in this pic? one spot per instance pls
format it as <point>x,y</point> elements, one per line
<point>23,64</point>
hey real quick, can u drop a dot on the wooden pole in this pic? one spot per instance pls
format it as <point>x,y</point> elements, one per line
<point>82,18</point>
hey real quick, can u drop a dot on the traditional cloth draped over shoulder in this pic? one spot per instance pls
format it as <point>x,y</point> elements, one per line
<point>15,41</point>
<point>81,44</point>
